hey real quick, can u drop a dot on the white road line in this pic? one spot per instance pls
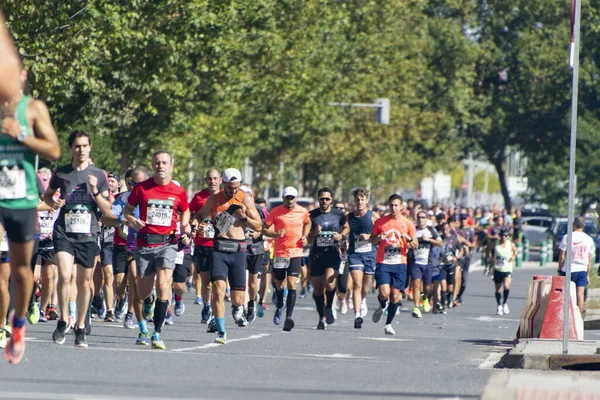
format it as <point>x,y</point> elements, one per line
<point>211,345</point>
<point>386,339</point>
<point>485,318</point>
<point>492,359</point>
<point>71,396</point>
<point>344,356</point>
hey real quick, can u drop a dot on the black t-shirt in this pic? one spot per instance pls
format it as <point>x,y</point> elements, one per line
<point>330,222</point>
<point>78,219</point>
<point>469,234</point>
<point>449,250</point>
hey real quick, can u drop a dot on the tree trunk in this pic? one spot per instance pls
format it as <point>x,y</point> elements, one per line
<point>498,164</point>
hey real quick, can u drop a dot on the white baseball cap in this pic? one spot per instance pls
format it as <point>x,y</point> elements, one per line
<point>290,191</point>
<point>232,174</point>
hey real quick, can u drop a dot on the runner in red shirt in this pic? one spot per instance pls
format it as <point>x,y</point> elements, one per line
<point>394,234</point>
<point>159,200</point>
<point>203,242</point>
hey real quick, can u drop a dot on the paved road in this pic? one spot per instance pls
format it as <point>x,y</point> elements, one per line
<point>438,356</point>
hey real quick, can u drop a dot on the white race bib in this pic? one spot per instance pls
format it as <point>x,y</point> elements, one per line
<point>46,226</point>
<point>224,222</point>
<point>208,232</point>
<point>362,246</point>
<point>392,256</point>
<point>342,266</point>
<point>76,222</point>
<point>179,257</point>
<point>159,216</point>
<point>12,183</point>
<point>4,244</point>
<point>108,235</point>
<point>281,263</point>
<point>325,240</point>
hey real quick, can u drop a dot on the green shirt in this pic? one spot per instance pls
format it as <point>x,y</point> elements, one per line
<point>18,179</point>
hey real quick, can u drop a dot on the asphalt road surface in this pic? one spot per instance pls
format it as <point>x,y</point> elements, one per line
<point>438,356</point>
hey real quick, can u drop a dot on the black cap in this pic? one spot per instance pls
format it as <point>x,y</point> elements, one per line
<point>114,175</point>
<point>504,232</point>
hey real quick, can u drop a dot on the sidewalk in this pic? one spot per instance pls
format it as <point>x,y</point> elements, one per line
<point>509,385</point>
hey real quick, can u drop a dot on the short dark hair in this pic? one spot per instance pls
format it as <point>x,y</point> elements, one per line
<point>324,190</point>
<point>162,151</point>
<point>128,173</point>
<point>361,192</point>
<point>395,196</point>
<point>579,223</point>
<point>260,200</point>
<point>76,135</point>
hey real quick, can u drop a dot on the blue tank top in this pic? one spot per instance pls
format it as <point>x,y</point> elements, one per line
<point>360,225</point>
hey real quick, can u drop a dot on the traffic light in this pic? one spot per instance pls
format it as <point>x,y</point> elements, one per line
<point>382,115</point>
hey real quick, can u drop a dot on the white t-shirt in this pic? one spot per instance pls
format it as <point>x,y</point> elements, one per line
<point>583,246</point>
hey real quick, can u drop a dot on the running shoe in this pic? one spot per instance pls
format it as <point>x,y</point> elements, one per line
<point>499,310</point>
<point>128,322</point>
<point>101,308</point>
<point>3,339</point>
<point>190,286</point>
<point>288,325</point>
<point>179,308</point>
<point>143,339</point>
<point>120,308</point>
<point>206,313</point>
<point>51,312</point>
<point>250,314</point>
<point>80,338</point>
<point>15,348</point>
<point>148,310</point>
<point>110,316</point>
<point>426,305</point>
<point>278,316</point>
<point>321,325</point>
<point>60,333</point>
<point>212,326</point>
<point>364,310</point>
<point>330,318</point>
<point>169,317</point>
<point>505,309</point>
<point>358,323</point>
<point>33,313</point>
<point>416,313</point>
<point>221,338</point>
<point>260,311</point>
<point>228,295</point>
<point>388,330</point>
<point>198,300</point>
<point>157,343</point>
<point>377,314</point>
<point>238,316</point>
<point>43,317</point>
<point>343,307</point>
<point>303,294</point>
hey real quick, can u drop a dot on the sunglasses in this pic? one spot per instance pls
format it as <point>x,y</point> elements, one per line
<point>325,199</point>
<point>341,208</point>
<point>421,217</point>
<point>289,197</point>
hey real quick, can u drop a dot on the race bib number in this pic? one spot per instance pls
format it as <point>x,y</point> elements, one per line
<point>225,221</point>
<point>421,255</point>
<point>500,261</point>
<point>363,246</point>
<point>342,266</point>
<point>12,183</point>
<point>108,235</point>
<point>281,263</point>
<point>46,226</point>
<point>392,255</point>
<point>159,212</point>
<point>76,222</point>
<point>449,258</point>
<point>325,240</point>
<point>179,257</point>
<point>208,232</point>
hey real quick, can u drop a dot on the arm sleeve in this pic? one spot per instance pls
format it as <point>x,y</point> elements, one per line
<point>270,219</point>
<point>563,243</point>
<point>194,205</point>
<point>377,228</point>
<point>103,182</point>
<point>306,217</point>
<point>183,201</point>
<point>134,197</point>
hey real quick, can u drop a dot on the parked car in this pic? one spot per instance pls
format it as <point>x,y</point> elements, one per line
<point>559,230</point>
<point>537,228</point>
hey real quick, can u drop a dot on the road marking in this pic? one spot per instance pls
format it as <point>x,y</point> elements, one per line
<point>485,318</point>
<point>305,308</point>
<point>211,345</point>
<point>71,396</point>
<point>492,359</point>
<point>336,355</point>
<point>386,339</point>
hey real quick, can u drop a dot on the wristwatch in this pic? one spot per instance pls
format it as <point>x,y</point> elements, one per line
<point>244,219</point>
<point>95,194</point>
<point>21,136</point>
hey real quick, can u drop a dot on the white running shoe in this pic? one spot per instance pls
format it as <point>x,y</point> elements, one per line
<point>388,330</point>
<point>505,309</point>
<point>344,307</point>
<point>499,310</point>
<point>364,310</point>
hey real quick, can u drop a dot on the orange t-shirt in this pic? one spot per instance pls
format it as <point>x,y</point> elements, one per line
<point>222,204</point>
<point>393,228</point>
<point>290,245</point>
